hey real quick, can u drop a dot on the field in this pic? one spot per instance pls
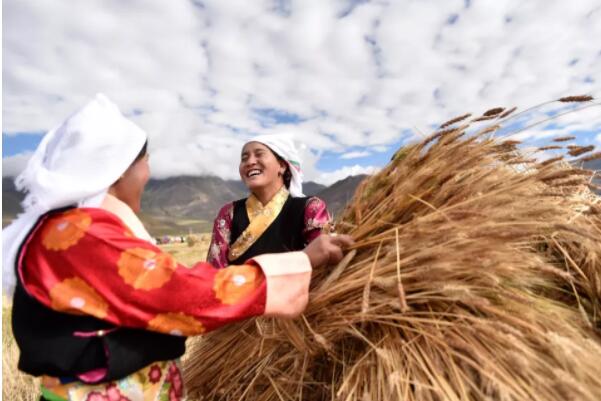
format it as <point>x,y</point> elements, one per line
<point>17,386</point>
<point>169,225</point>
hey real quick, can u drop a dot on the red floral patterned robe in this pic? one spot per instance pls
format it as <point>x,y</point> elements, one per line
<point>86,261</point>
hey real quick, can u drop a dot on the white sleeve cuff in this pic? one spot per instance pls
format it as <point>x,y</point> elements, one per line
<point>283,264</point>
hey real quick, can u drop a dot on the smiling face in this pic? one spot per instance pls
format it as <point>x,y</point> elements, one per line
<point>259,167</point>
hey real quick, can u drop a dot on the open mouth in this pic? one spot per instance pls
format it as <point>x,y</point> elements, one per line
<point>253,173</point>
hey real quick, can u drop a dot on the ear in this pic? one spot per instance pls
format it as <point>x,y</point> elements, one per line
<point>283,166</point>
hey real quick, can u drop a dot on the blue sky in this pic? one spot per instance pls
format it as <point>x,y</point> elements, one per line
<point>23,142</point>
<point>351,80</point>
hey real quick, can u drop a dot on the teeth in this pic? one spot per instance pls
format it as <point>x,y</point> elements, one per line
<point>252,173</point>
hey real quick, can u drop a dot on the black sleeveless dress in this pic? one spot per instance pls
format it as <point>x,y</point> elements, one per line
<point>285,234</point>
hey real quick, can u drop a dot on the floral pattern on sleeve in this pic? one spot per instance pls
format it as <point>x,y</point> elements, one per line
<point>130,282</point>
<point>316,217</point>
<point>220,241</point>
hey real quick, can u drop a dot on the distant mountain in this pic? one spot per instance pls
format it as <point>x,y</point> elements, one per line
<point>181,204</point>
<point>11,200</point>
<point>190,197</point>
<point>198,197</point>
<point>173,205</point>
<point>340,193</point>
<point>311,188</point>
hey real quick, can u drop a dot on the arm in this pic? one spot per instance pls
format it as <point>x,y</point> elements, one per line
<point>316,217</point>
<point>220,241</point>
<point>83,261</point>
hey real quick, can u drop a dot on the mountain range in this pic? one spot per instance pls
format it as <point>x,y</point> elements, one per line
<point>179,205</point>
<point>185,204</point>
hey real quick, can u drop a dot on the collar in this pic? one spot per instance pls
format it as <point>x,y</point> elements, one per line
<point>127,216</point>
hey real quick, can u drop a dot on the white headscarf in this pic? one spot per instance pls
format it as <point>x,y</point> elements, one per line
<point>284,146</point>
<point>74,164</point>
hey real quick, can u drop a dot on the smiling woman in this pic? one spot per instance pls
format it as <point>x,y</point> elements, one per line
<point>94,311</point>
<point>276,217</point>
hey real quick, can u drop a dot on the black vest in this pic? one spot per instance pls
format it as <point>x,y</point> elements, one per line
<point>283,235</point>
<point>48,345</point>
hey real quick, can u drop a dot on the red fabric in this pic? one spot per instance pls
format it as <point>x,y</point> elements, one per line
<point>220,241</point>
<point>85,261</point>
<point>316,217</point>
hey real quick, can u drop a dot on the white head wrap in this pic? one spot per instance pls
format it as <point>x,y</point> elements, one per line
<point>74,164</point>
<point>284,146</point>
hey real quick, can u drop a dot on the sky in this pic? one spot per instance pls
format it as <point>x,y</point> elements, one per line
<point>352,80</point>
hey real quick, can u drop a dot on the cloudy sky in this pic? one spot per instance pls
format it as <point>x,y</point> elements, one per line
<point>352,79</point>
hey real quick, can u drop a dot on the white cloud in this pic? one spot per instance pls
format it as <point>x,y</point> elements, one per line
<point>355,155</point>
<point>584,124</point>
<point>198,75</point>
<point>379,149</point>
<point>346,171</point>
<point>13,165</point>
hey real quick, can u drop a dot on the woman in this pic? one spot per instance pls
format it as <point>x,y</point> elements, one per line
<point>276,217</point>
<point>99,311</point>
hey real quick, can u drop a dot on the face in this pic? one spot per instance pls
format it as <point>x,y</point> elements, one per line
<point>259,167</point>
<point>130,186</point>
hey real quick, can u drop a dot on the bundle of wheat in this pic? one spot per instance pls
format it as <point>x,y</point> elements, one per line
<point>476,275</point>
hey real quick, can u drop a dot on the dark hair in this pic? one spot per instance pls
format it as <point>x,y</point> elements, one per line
<point>287,174</point>
<point>143,151</point>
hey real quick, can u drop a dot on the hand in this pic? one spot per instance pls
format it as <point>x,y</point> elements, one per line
<point>327,249</point>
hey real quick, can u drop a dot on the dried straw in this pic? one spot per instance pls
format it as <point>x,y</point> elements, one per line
<point>455,120</point>
<point>564,138</point>
<point>579,150</point>
<point>472,278</point>
<point>578,98</point>
<point>589,158</point>
<point>494,111</point>
<point>485,118</point>
<point>549,147</point>
<point>508,112</point>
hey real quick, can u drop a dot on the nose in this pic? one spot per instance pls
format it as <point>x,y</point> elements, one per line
<point>250,160</point>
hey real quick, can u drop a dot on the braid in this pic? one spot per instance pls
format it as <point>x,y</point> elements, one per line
<point>287,177</point>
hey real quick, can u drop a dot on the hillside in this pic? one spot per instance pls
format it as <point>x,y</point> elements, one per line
<point>189,197</point>
<point>179,205</point>
<point>340,193</point>
<point>11,200</point>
